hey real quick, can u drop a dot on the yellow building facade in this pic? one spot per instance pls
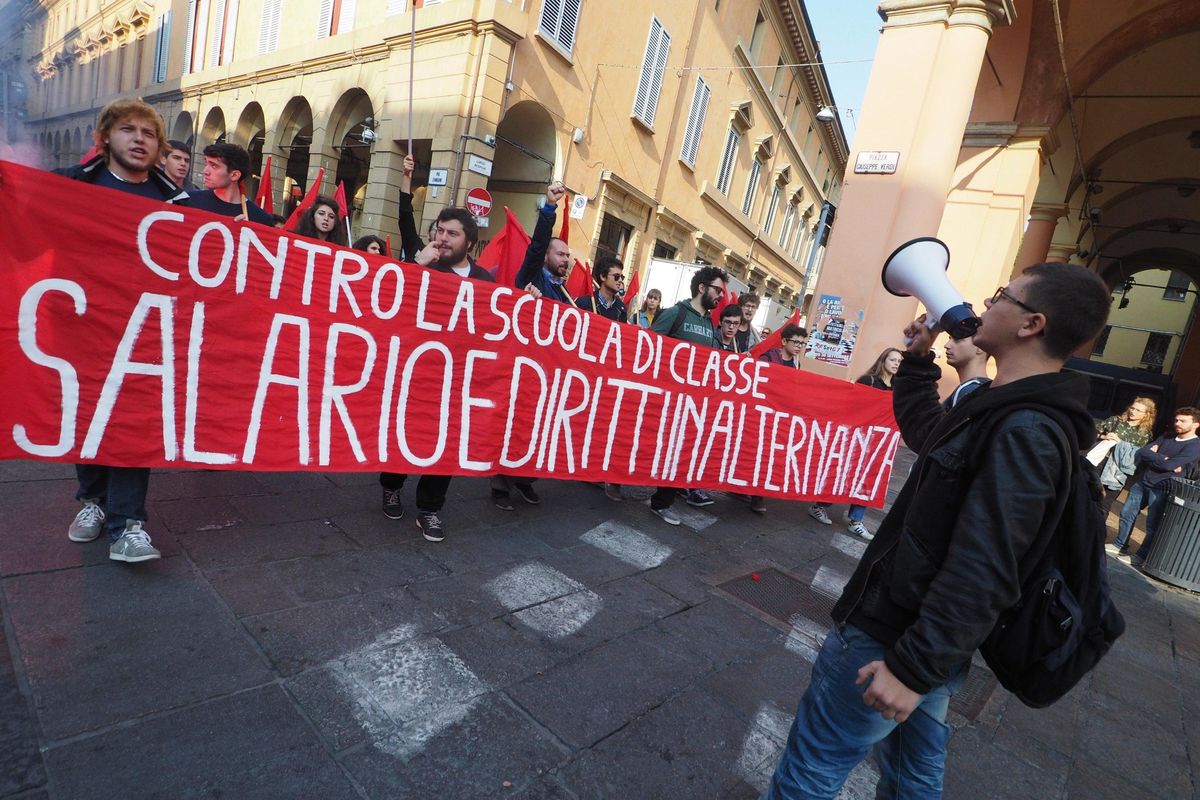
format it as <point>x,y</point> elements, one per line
<point>691,129</point>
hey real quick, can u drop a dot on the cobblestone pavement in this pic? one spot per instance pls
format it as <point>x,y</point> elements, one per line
<point>295,643</point>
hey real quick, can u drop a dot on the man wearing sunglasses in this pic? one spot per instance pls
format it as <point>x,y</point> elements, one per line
<point>945,562</point>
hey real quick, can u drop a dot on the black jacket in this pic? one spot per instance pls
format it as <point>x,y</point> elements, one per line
<point>533,269</point>
<point>952,552</point>
<point>91,170</point>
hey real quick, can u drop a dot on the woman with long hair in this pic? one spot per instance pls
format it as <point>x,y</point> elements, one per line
<point>1134,426</point>
<point>321,220</point>
<point>879,376</point>
<point>650,305</point>
<point>371,244</point>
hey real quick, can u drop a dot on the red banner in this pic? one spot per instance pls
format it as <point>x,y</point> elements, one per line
<point>139,334</point>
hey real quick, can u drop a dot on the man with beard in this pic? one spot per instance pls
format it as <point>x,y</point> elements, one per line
<point>455,233</point>
<point>691,321</point>
<point>129,135</point>
<point>177,163</point>
<point>546,259</point>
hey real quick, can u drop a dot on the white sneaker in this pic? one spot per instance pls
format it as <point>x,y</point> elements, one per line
<point>819,514</point>
<point>668,515</point>
<point>1112,549</point>
<point>858,529</point>
<point>133,546</point>
<point>87,523</point>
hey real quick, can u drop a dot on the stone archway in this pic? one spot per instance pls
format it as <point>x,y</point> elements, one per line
<point>294,134</point>
<point>213,130</point>
<point>251,134</point>
<point>526,155</point>
<point>183,130</point>
<point>352,135</point>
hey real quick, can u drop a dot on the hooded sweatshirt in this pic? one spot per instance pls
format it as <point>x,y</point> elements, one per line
<point>951,554</point>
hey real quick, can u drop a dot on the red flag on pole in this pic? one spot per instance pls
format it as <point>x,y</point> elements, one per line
<point>309,199</point>
<point>92,152</point>
<point>340,198</point>
<point>631,290</point>
<point>579,281</point>
<point>776,337</point>
<point>728,299</point>
<point>505,252</point>
<point>388,240</point>
<point>266,193</point>
<point>565,231</point>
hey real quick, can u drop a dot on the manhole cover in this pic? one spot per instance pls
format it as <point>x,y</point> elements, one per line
<point>975,692</point>
<point>780,596</point>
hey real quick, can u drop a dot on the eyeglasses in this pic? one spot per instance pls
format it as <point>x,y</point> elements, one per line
<point>796,342</point>
<point>1003,293</point>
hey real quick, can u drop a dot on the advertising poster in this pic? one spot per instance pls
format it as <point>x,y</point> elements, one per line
<point>832,336</point>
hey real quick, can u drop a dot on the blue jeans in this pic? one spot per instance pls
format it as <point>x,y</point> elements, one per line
<point>856,513</point>
<point>1140,496</point>
<point>120,491</point>
<point>834,731</point>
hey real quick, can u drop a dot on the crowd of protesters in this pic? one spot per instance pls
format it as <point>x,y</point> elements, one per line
<point>133,155</point>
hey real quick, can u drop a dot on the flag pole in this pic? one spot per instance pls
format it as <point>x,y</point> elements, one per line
<point>412,55</point>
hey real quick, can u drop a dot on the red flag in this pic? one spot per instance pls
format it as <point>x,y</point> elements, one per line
<point>565,231</point>
<point>579,281</point>
<point>92,152</point>
<point>266,194</point>
<point>309,199</point>
<point>339,197</point>
<point>776,337</point>
<point>505,252</point>
<point>631,291</point>
<point>388,240</point>
<point>728,299</point>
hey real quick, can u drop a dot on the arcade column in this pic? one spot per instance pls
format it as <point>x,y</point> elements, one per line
<point>917,104</point>
<point>1035,246</point>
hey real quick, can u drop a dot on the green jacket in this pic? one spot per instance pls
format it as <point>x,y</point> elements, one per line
<point>682,321</point>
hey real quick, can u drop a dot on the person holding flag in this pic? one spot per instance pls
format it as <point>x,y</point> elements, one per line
<point>265,196</point>
<point>225,165</point>
<point>545,265</point>
<point>605,299</point>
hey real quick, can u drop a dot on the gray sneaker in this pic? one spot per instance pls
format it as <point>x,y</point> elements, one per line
<point>819,514</point>
<point>133,546</point>
<point>667,515</point>
<point>87,523</point>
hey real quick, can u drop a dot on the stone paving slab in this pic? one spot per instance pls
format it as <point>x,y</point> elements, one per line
<point>296,643</point>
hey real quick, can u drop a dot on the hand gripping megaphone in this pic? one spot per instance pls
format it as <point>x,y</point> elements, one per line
<point>917,269</point>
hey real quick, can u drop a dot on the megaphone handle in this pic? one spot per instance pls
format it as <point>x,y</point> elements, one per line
<point>931,322</point>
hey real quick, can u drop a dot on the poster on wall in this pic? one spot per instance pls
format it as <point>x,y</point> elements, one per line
<point>833,336</point>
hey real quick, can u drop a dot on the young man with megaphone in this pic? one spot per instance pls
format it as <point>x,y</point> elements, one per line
<point>950,555</point>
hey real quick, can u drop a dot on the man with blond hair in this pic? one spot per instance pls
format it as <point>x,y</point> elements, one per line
<point>129,136</point>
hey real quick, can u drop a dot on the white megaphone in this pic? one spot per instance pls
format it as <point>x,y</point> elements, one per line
<point>918,269</point>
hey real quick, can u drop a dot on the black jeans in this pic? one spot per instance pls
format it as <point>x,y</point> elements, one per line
<point>431,489</point>
<point>1110,497</point>
<point>120,491</point>
<point>500,483</point>
<point>663,498</point>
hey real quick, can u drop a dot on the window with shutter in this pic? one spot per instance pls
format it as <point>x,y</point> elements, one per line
<point>162,50</point>
<point>203,7</point>
<point>752,186</point>
<point>268,27</point>
<point>346,16</point>
<point>218,29</point>
<point>188,41</point>
<point>324,18</point>
<point>772,208</point>
<point>654,64</point>
<point>395,7</point>
<point>728,159</point>
<point>559,22</point>
<point>229,31</point>
<point>695,123</point>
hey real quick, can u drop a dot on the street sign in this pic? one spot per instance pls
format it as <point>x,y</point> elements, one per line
<point>578,204</point>
<point>437,177</point>
<point>877,162</point>
<point>479,165</point>
<point>479,202</point>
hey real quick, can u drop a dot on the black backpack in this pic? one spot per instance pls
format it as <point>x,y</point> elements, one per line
<point>1065,621</point>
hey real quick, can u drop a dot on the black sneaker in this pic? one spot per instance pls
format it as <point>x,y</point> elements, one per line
<point>392,508</point>
<point>698,498</point>
<point>758,504</point>
<point>501,501</point>
<point>430,525</point>
<point>527,493</point>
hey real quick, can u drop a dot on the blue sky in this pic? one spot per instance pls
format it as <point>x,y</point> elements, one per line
<point>848,31</point>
